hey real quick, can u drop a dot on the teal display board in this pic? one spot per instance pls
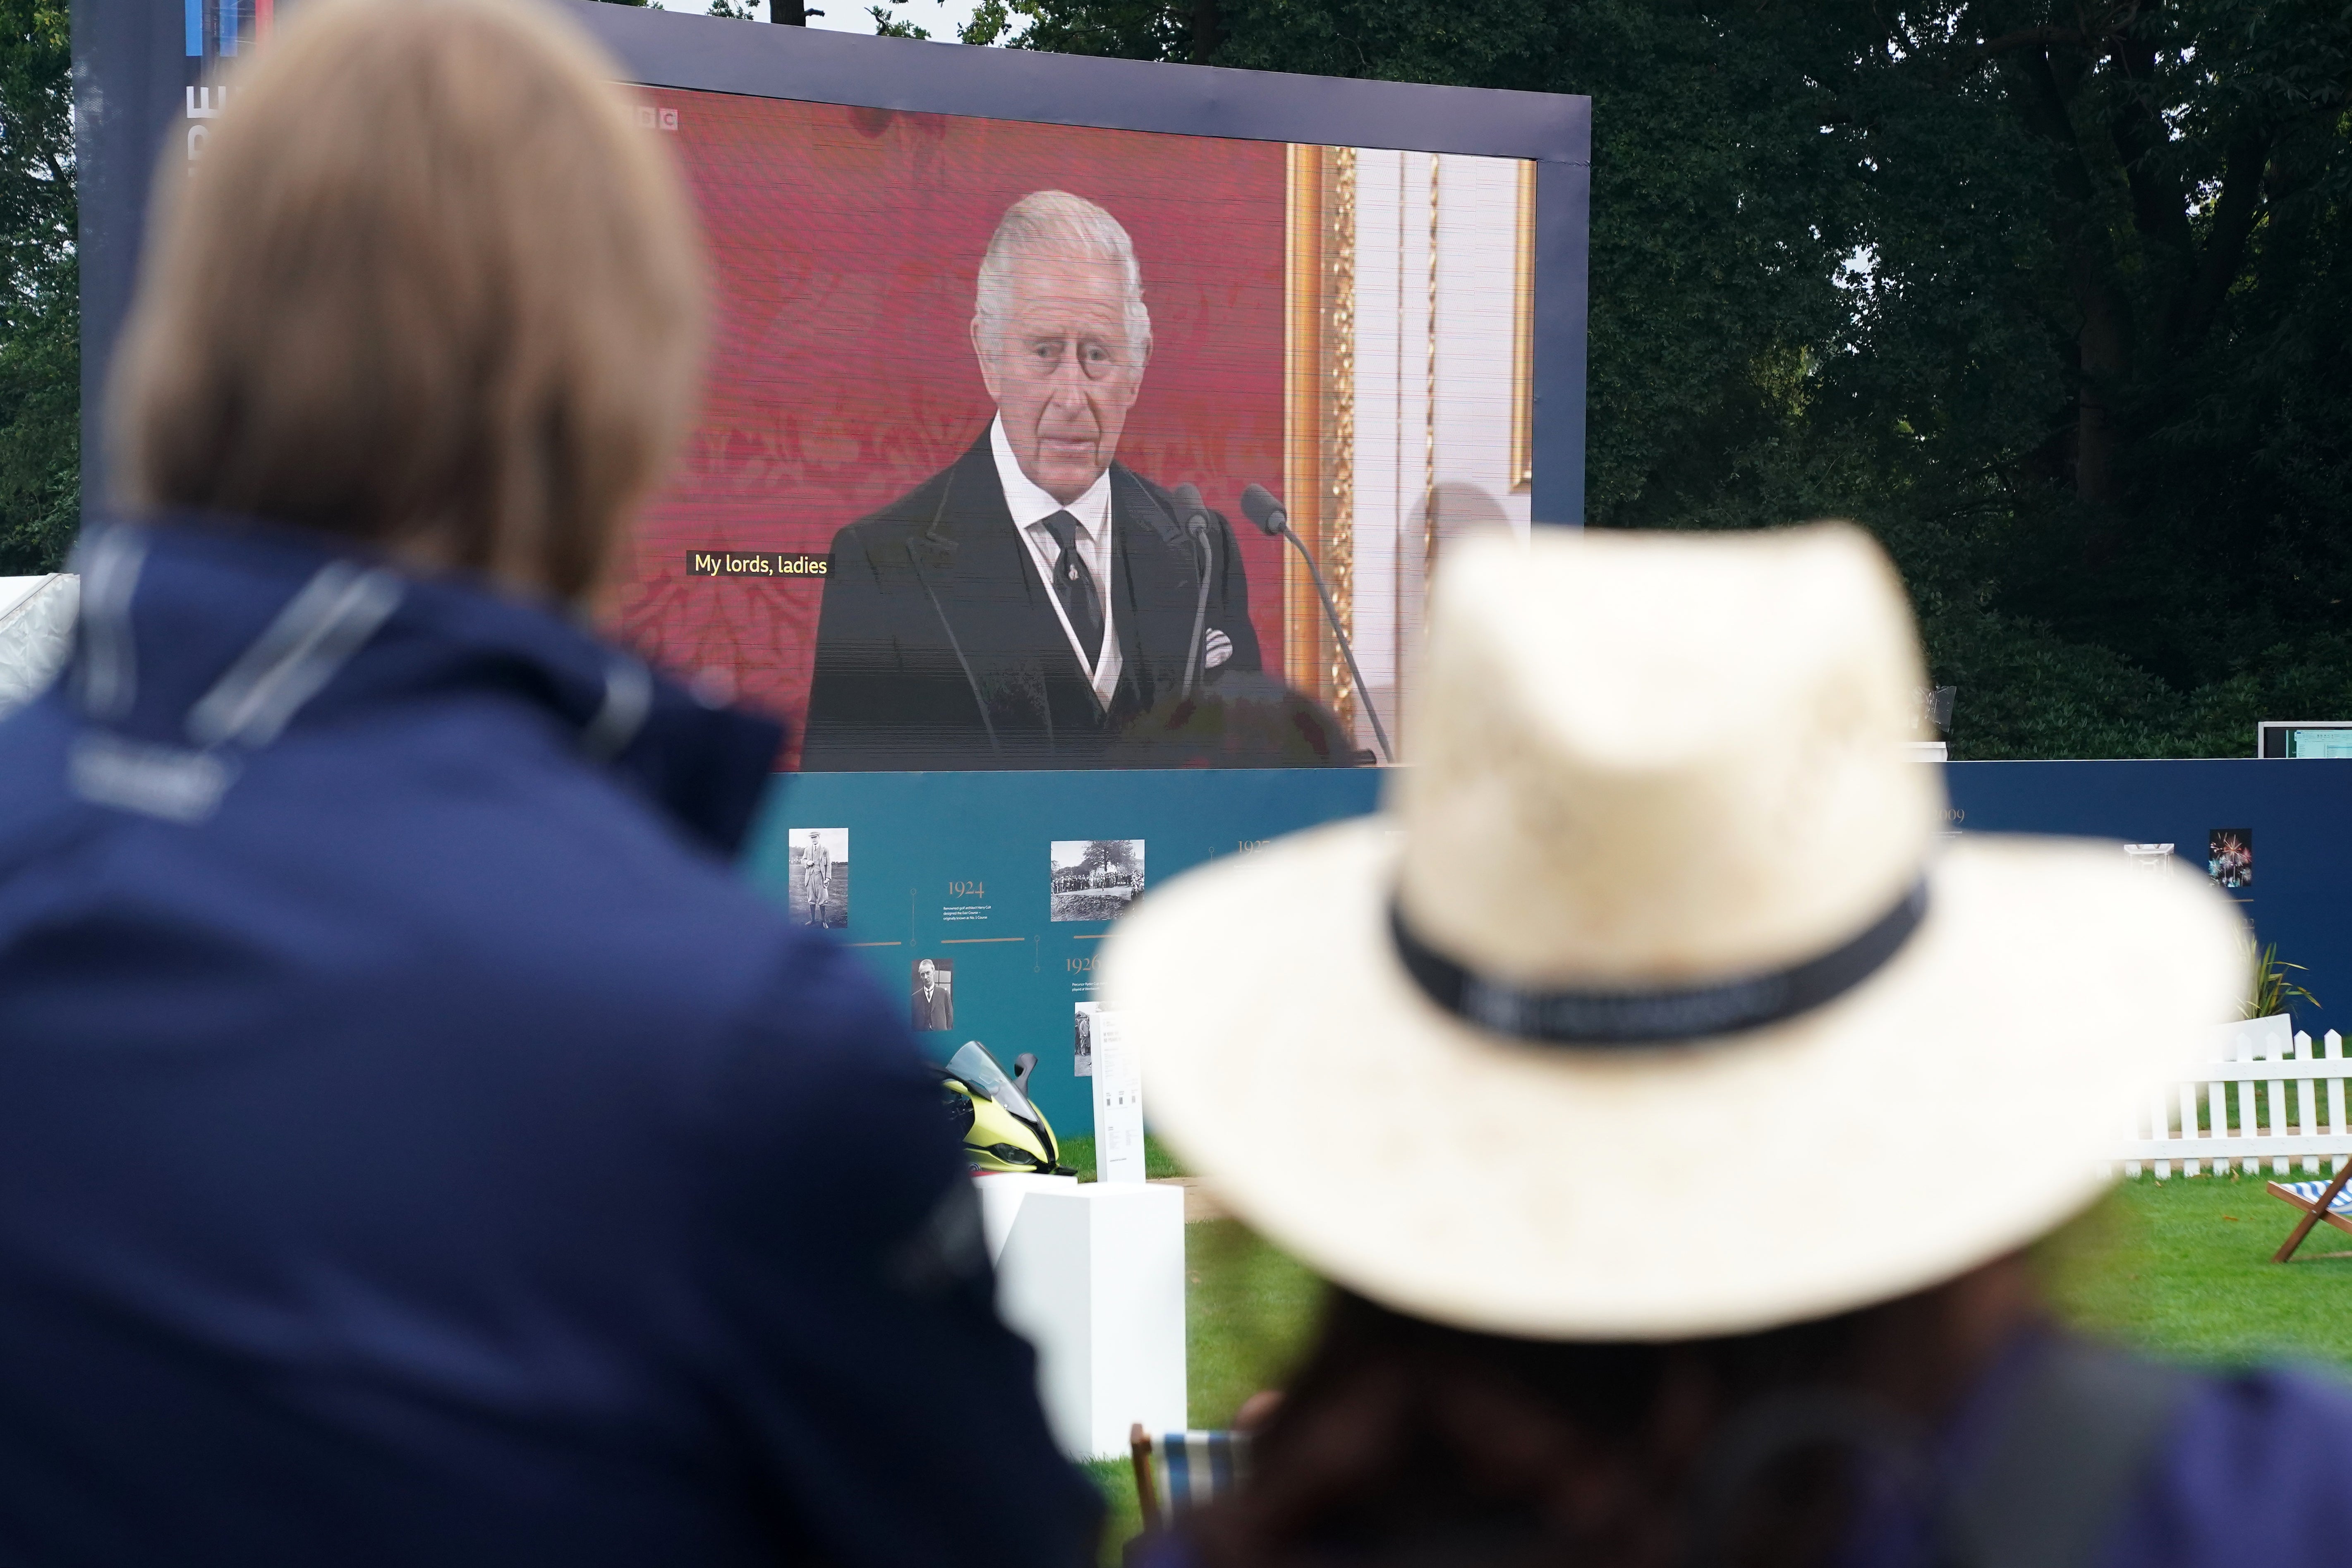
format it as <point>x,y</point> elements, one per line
<point>2290,817</point>
<point>960,869</point>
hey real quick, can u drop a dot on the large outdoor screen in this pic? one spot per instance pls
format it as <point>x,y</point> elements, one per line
<point>984,398</point>
<point>1004,344</point>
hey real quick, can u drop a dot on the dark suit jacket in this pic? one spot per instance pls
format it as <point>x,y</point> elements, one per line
<point>938,648</point>
<point>939,1013</point>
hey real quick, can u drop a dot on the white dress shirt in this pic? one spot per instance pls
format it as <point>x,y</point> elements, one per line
<point>1031,507</point>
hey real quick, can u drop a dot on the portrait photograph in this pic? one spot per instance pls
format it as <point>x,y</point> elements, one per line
<point>985,401</point>
<point>1082,1046</point>
<point>1095,879</point>
<point>819,875</point>
<point>931,994</point>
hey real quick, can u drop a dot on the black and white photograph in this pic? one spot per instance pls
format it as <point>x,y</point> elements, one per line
<point>1096,878</point>
<point>1082,1048</point>
<point>819,875</point>
<point>2229,855</point>
<point>932,998</point>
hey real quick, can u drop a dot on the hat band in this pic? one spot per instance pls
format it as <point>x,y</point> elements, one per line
<point>1656,1016</point>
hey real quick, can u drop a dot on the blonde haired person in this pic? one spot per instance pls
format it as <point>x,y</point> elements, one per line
<point>414,1145</point>
<point>1674,1109</point>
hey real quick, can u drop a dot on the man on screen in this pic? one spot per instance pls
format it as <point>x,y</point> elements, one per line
<point>1023,606</point>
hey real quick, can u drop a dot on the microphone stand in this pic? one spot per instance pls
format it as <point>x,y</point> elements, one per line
<point>1188,501</point>
<point>1270,515</point>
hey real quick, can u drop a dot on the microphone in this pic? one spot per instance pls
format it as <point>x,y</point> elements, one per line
<point>1195,515</point>
<point>1260,507</point>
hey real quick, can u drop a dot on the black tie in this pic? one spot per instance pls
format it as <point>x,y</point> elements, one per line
<point>1073,584</point>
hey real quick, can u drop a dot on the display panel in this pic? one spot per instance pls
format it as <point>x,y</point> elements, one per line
<point>862,535</point>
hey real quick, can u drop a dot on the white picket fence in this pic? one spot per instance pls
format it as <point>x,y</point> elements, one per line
<point>2236,1106</point>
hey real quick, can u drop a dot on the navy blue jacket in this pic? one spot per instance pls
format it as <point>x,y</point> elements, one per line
<point>415,1147</point>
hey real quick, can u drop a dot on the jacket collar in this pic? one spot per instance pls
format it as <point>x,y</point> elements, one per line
<point>1028,503</point>
<point>967,534</point>
<point>970,508</point>
<point>967,516</point>
<point>206,636</point>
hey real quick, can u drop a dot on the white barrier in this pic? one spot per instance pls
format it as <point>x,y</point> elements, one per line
<point>2236,1105</point>
<point>36,622</point>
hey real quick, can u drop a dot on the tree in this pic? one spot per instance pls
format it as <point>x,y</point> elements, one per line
<point>40,309</point>
<point>2190,117</point>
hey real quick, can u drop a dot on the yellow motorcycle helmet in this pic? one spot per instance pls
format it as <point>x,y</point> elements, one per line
<point>1001,1131</point>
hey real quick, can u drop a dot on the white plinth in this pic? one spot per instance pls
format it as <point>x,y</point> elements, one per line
<point>1001,1193</point>
<point>1094,1277</point>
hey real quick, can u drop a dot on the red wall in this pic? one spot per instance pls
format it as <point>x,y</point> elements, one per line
<point>844,246</point>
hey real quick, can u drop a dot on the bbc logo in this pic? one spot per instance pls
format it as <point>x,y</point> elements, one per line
<point>652,119</point>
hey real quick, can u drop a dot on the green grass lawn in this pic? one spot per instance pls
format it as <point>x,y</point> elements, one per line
<point>1078,1151</point>
<point>2180,1269</point>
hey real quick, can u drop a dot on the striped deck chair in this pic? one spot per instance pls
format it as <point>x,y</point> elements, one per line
<point>1190,1468</point>
<point>2318,1201</point>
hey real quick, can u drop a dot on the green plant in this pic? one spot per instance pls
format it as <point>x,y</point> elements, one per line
<point>2269,990</point>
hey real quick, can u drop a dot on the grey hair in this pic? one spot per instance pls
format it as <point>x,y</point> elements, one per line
<point>1033,223</point>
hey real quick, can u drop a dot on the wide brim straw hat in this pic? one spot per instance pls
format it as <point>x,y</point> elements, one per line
<point>1656,1002</point>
